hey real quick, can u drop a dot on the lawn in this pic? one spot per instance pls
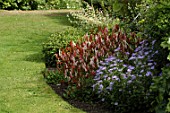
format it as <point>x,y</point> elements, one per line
<point>22,87</point>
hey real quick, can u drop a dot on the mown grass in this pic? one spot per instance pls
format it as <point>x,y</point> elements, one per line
<point>22,87</point>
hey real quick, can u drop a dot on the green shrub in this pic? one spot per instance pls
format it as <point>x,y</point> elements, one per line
<point>52,76</point>
<point>89,19</point>
<point>161,87</point>
<point>39,4</point>
<point>57,41</point>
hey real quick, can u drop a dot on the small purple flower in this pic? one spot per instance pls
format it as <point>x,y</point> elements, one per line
<point>105,76</point>
<point>133,77</point>
<point>108,78</point>
<point>99,73</point>
<point>131,67</point>
<point>138,48</point>
<point>102,68</point>
<point>142,71</point>
<point>94,86</point>
<point>110,87</point>
<point>110,70</point>
<point>153,42</point>
<point>124,76</point>
<point>146,53</point>
<point>132,58</point>
<point>127,53</point>
<point>142,42</point>
<point>110,58</point>
<point>115,78</point>
<point>125,65</point>
<point>140,57</point>
<point>120,70</point>
<point>148,73</point>
<point>129,81</point>
<point>153,67</point>
<point>96,78</point>
<point>150,64</point>
<point>117,49</point>
<point>129,70</point>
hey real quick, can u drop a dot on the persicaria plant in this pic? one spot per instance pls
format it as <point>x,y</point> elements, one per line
<point>80,61</point>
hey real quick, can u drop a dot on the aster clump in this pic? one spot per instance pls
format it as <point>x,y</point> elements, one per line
<point>123,79</point>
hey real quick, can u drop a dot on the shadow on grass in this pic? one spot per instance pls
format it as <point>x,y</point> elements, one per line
<point>35,57</point>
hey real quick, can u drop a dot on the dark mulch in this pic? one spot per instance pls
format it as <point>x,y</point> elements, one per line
<point>89,108</point>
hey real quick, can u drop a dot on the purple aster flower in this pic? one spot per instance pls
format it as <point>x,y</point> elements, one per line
<point>110,58</point>
<point>99,73</point>
<point>105,76</point>
<point>125,65</point>
<point>153,42</point>
<point>131,67</point>
<point>117,49</point>
<point>138,48</point>
<point>133,77</point>
<point>124,76</point>
<point>148,73</point>
<point>150,64</point>
<point>127,53</point>
<point>100,88</point>
<point>142,42</point>
<point>102,68</point>
<point>108,78</point>
<point>132,58</point>
<point>100,81</point>
<point>110,70</point>
<point>142,71</point>
<point>94,86</point>
<point>146,53</point>
<point>120,70</point>
<point>115,78</point>
<point>129,70</point>
<point>96,78</point>
<point>153,67</point>
<point>110,87</point>
<point>140,57</point>
<point>129,81</point>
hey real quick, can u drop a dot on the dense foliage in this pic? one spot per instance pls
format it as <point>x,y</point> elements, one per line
<point>57,41</point>
<point>39,4</point>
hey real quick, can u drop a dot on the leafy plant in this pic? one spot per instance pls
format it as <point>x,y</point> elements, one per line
<point>161,86</point>
<point>52,76</point>
<point>89,18</point>
<point>57,41</point>
<point>39,4</point>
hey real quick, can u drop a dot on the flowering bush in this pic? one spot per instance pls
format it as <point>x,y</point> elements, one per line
<point>123,80</point>
<point>79,61</point>
<point>89,18</point>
